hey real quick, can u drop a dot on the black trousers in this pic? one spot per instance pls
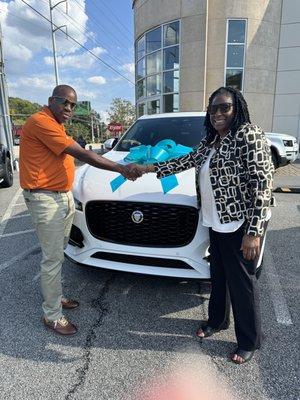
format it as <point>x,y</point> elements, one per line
<point>233,278</point>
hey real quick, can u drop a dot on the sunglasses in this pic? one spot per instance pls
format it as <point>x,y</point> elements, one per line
<point>65,102</point>
<point>223,107</point>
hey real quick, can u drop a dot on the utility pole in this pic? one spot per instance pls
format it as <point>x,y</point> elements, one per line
<point>53,30</point>
<point>92,127</point>
<point>5,122</point>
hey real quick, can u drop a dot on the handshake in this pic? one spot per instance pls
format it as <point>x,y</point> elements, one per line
<point>134,171</point>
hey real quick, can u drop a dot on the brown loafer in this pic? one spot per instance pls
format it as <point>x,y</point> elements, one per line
<point>61,326</point>
<point>69,304</point>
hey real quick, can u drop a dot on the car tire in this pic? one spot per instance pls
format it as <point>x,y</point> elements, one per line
<point>8,178</point>
<point>275,159</point>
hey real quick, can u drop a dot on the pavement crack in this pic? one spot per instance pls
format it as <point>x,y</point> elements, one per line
<point>101,305</point>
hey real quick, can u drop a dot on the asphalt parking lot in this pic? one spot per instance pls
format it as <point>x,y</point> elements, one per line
<point>136,333</point>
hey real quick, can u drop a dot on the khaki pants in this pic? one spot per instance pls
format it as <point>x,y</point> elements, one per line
<point>52,215</point>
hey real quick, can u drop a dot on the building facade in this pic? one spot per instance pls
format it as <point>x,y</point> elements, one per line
<point>185,49</point>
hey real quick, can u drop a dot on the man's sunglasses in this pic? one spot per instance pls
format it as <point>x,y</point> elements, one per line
<point>65,102</point>
<point>223,107</point>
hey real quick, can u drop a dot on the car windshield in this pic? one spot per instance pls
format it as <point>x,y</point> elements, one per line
<point>187,131</point>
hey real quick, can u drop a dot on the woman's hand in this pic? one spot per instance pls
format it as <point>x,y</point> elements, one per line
<point>250,247</point>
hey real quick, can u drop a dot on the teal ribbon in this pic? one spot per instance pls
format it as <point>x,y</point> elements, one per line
<point>164,150</point>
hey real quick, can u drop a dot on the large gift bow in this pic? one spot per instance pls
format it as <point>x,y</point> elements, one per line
<point>164,150</point>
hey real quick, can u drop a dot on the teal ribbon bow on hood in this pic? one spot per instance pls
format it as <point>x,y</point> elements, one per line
<point>164,150</point>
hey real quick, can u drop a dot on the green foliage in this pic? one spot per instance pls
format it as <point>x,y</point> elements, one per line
<point>122,111</point>
<point>21,109</point>
<point>76,129</point>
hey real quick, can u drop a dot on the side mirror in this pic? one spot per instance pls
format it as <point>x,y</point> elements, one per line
<point>114,143</point>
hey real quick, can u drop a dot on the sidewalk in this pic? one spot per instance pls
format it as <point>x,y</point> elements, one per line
<point>288,176</point>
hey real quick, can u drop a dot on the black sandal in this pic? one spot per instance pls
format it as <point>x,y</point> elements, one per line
<point>208,330</point>
<point>244,354</point>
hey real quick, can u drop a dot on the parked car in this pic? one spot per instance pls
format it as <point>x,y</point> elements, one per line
<point>284,148</point>
<point>16,131</point>
<point>6,167</point>
<point>137,228</point>
<point>110,143</point>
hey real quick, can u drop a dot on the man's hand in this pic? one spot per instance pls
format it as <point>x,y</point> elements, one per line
<point>132,171</point>
<point>250,247</point>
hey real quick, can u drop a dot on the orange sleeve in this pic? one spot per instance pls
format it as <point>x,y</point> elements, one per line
<point>52,135</point>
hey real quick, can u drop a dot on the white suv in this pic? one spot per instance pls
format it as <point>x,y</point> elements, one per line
<point>284,148</point>
<point>138,228</point>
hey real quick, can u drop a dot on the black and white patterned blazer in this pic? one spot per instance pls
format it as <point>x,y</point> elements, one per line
<point>241,174</point>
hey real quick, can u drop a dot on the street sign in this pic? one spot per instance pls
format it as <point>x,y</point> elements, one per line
<point>83,108</point>
<point>115,127</point>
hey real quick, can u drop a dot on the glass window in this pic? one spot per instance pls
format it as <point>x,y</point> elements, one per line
<point>188,131</point>
<point>171,102</point>
<point>157,69</point>
<point>235,49</point>
<point>153,107</point>
<point>153,85</point>
<point>140,89</point>
<point>154,63</point>
<point>236,31</point>
<point>141,109</point>
<point>171,57</point>
<point>153,40</point>
<point>171,33</point>
<point>140,48</point>
<point>171,81</point>
<point>140,70</point>
<point>234,78</point>
<point>235,55</point>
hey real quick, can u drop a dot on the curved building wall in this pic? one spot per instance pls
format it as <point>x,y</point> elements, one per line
<point>206,48</point>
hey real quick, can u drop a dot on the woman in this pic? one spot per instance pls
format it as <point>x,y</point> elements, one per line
<point>234,175</point>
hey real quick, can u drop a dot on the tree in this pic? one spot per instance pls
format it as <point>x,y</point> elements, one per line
<point>121,111</point>
<point>21,109</point>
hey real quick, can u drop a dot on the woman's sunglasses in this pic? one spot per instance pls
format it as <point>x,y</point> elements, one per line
<point>223,107</point>
<point>65,102</point>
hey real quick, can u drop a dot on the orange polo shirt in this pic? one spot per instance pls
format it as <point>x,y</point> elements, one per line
<point>43,165</point>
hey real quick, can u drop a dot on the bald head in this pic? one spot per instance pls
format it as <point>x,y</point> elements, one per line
<point>62,89</point>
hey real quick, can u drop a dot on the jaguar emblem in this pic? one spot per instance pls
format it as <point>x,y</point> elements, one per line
<point>137,217</point>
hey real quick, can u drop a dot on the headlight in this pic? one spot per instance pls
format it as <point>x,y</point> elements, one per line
<point>78,205</point>
<point>288,143</point>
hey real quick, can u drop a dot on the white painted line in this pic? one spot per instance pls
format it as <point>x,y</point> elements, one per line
<point>36,277</point>
<point>281,310</point>
<point>18,257</point>
<point>20,216</point>
<point>19,204</point>
<point>8,211</point>
<point>18,233</point>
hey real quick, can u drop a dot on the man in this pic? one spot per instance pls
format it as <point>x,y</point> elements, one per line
<point>46,175</point>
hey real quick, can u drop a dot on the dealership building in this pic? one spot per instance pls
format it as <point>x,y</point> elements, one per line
<point>185,49</point>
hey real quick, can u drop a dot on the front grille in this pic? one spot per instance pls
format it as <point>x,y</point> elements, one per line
<point>141,260</point>
<point>163,225</point>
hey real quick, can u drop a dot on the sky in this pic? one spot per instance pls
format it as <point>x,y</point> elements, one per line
<point>103,27</point>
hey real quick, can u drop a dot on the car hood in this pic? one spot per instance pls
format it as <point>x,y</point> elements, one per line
<point>283,136</point>
<point>94,184</point>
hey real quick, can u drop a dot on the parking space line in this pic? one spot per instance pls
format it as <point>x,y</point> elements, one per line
<point>281,310</point>
<point>8,211</point>
<point>18,204</point>
<point>18,257</point>
<point>36,277</point>
<point>20,216</point>
<point>18,233</point>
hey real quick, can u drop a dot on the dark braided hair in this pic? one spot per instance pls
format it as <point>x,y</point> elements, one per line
<point>241,111</point>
